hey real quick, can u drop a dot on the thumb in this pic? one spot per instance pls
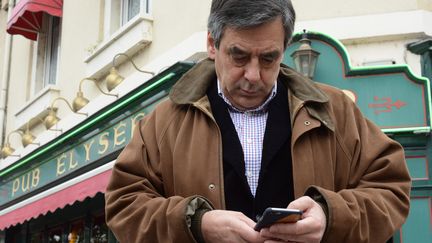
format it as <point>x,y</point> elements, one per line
<point>303,203</point>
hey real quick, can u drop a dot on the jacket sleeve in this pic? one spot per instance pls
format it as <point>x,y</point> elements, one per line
<point>136,208</point>
<point>375,201</point>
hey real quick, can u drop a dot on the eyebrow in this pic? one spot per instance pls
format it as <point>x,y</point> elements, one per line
<point>234,50</point>
<point>237,51</point>
<point>271,54</point>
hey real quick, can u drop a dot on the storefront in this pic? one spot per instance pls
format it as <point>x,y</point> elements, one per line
<point>55,193</point>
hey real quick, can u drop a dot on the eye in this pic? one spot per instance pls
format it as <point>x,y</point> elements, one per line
<point>267,61</point>
<point>240,59</point>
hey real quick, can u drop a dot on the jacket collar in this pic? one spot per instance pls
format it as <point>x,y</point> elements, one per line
<point>192,88</point>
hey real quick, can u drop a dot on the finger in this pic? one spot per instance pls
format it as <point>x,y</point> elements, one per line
<point>248,221</point>
<point>303,203</point>
<point>284,234</point>
<point>245,230</point>
<point>304,226</point>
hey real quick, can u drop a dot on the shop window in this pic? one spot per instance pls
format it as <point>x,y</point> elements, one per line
<point>99,230</point>
<point>47,54</point>
<point>36,237</point>
<point>76,232</point>
<point>55,235</point>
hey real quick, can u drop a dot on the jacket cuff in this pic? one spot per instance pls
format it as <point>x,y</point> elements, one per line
<point>196,225</point>
<point>194,212</point>
<point>319,198</point>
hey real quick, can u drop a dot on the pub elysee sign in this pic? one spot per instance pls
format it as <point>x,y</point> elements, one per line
<point>108,141</point>
<point>92,145</point>
<point>390,96</point>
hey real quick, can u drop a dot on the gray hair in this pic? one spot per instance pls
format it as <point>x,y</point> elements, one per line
<point>241,14</point>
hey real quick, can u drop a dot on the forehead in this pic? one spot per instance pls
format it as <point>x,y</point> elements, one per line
<point>264,36</point>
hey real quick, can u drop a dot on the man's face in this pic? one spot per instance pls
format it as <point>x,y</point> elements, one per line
<point>247,62</point>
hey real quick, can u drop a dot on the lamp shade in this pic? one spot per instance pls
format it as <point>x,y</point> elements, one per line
<point>7,150</point>
<point>79,102</point>
<point>305,58</point>
<point>51,119</point>
<point>113,79</point>
<point>27,138</point>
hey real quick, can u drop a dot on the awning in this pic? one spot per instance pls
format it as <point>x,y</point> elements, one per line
<point>67,196</point>
<point>27,15</point>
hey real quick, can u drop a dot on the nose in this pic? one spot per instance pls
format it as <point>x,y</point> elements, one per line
<point>252,71</point>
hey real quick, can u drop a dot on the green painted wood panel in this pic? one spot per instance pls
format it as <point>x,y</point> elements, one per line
<point>399,103</point>
<point>391,96</point>
<point>418,167</point>
<point>418,226</point>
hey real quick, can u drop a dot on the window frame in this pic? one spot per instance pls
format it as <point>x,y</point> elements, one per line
<point>116,15</point>
<point>44,72</point>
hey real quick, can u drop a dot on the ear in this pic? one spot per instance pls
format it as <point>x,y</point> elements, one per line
<point>211,49</point>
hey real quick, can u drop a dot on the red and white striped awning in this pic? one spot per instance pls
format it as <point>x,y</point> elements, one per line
<point>27,16</point>
<point>75,190</point>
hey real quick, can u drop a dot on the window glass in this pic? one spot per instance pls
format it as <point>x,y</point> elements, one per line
<point>36,237</point>
<point>76,233</point>
<point>55,235</point>
<point>52,52</point>
<point>99,230</point>
<point>133,8</point>
<point>120,12</point>
<point>47,54</point>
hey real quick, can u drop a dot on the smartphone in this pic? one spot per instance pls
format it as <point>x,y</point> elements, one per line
<point>278,215</point>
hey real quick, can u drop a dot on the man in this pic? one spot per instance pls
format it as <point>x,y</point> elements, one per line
<point>241,133</point>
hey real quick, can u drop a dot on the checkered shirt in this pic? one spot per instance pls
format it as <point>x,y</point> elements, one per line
<point>250,126</point>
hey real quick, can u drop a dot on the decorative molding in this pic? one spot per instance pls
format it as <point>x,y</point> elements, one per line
<point>376,27</point>
<point>37,106</point>
<point>129,39</point>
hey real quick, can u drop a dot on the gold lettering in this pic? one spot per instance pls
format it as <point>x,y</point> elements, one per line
<point>103,141</point>
<point>135,120</point>
<point>72,163</point>
<point>25,182</point>
<point>118,133</point>
<point>87,147</point>
<point>61,164</point>
<point>15,186</point>
<point>35,177</point>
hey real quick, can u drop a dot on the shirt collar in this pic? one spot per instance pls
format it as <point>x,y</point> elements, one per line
<point>261,108</point>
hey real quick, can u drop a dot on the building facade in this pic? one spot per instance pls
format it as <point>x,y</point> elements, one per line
<point>63,121</point>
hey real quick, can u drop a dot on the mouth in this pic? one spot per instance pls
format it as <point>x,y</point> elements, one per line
<point>247,92</point>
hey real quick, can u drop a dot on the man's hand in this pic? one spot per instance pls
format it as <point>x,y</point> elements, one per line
<point>228,226</point>
<point>309,229</point>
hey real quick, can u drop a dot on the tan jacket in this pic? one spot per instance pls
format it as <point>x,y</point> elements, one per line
<point>176,154</point>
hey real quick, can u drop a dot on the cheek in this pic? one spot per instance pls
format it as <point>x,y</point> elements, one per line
<point>231,74</point>
<point>270,76</point>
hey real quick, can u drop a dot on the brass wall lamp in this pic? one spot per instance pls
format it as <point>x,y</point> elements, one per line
<point>114,78</point>
<point>80,101</point>
<point>51,119</point>
<point>27,138</point>
<point>7,149</point>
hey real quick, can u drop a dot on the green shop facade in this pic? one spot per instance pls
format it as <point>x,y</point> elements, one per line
<point>56,192</point>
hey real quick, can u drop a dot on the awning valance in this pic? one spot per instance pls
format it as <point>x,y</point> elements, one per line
<point>67,196</point>
<point>27,16</point>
